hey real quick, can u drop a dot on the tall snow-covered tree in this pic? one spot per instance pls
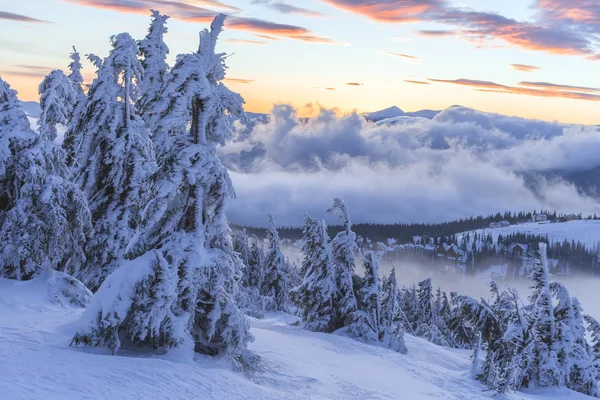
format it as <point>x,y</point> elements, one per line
<point>275,281</point>
<point>368,317</point>
<point>317,291</point>
<point>182,290</point>
<point>343,247</point>
<point>389,299</point>
<point>545,372</point>
<point>46,221</point>
<point>73,135</point>
<point>256,264</point>
<point>117,160</point>
<point>242,247</point>
<point>155,70</point>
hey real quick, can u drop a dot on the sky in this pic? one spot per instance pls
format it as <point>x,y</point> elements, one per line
<point>528,58</point>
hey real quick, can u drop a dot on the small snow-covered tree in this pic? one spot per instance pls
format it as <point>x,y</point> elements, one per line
<point>368,317</point>
<point>317,291</point>
<point>189,269</point>
<point>256,264</point>
<point>389,299</point>
<point>117,158</point>
<point>155,71</point>
<point>343,247</point>
<point>46,220</point>
<point>275,281</point>
<point>242,248</point>
<point>73,135</point>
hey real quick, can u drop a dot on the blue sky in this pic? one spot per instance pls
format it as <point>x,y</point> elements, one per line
<point>308,53</point>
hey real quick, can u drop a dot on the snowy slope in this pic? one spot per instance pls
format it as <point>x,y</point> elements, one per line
<point>585,231</point>
<point>37,363</point>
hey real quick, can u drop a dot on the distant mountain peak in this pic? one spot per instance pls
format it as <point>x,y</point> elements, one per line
<point>390,112</point>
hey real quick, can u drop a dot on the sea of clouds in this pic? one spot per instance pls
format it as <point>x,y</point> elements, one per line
<point>409,169</point>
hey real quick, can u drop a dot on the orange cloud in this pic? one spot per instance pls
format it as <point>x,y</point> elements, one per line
<point>524,67</point>
<point>436,33</point>
<point>555,91</point>
<point>20,18</point>
<point>267,37</point>
<point>389,11</point>
<point>239,80</point>
<point>354,84</point>
<point>417,82</point>
<point>244,41</point>
<point>554,86</point>
<point>189,11</point>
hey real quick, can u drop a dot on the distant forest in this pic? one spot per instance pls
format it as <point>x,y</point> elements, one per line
<point>404,233</point>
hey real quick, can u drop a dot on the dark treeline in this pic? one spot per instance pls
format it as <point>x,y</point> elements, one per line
<point>404,232</point>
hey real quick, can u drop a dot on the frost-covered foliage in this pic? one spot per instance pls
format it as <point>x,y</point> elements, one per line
<point>390,315</point>
<point>65,290</point>
<point>317,291</point>
<point>368,317</point>
<point>57,101</point>
<point>275,281</point>
<point>538,344</point>
<point>343,247</point>
<point>116,160</point>
<point>73,135</point>
<point>155,70</point>
<point>44,221</point>
<point>182,288</point>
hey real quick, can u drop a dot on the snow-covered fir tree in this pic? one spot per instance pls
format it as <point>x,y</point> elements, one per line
<point>343,248</point>
<point>389,299</point>
<point>155,71</point>
<point>250,301</point>
<point>45,220</point>
<point>544,372</point>
<point>368,317</point>
<point>256,264</point>
<point>316,293</point>
<point>117,160</point>
<point>182,291</point>
<point>275,280</point>
<point>73,136</point>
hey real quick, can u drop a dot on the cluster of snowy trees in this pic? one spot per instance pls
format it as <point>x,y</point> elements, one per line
<point>133,202</point>
<point>540,342</point>
<point>325,290</point>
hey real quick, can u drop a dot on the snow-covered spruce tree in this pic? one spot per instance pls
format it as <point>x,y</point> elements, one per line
<point>544,371</point>
<point>256,264</point>
<point>181,292</point>
<point>368,317</point>
<point>343,247</point>
<point>155,72</point>
<point>250,300</point>
<point>275,282</point>
<point>593,328</point>
<point>242,247</point>
<point>393,327</point>
<point>316,293</point>
<point>73,135</point>
<point>46,220</point>
<point>575,363</point>
<point>117,160</point>
<point>389,299</point>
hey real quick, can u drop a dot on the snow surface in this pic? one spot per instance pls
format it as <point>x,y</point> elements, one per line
<point>585,231</point>
<point>38,363</point>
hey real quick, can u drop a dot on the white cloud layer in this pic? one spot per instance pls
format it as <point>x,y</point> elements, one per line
<point>458,164</point>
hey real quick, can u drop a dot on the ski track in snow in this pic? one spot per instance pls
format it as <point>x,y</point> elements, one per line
<point>37,363</point>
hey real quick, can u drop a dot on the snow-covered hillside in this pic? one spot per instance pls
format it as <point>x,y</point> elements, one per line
<point>38,363</point>
<point>585,231</point>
